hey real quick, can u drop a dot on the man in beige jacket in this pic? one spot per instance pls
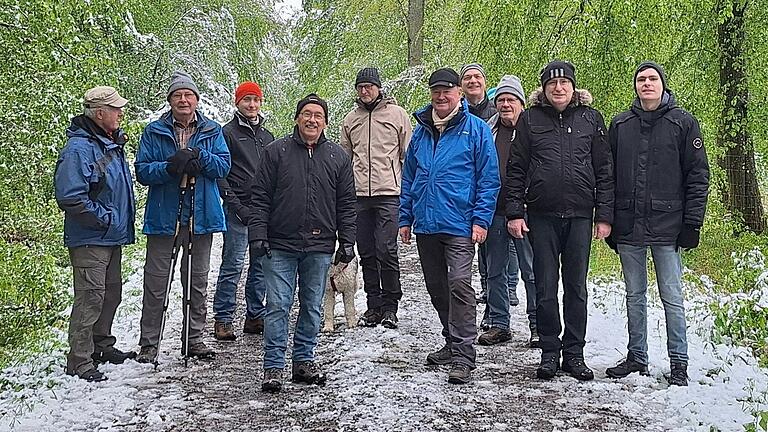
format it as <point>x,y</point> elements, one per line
<point>376,134</point>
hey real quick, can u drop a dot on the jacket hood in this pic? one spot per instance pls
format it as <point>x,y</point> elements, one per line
<point>668,101</point>
<point>84,127</point>
<point>382,102</point>
<point>580,97</point>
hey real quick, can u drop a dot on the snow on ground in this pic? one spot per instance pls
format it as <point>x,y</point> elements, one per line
<point>378,380</point>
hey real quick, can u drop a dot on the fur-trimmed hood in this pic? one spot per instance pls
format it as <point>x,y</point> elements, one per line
<point>580,97</point>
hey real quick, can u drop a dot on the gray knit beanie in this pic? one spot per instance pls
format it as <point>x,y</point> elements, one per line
<point>182,80</point>
<point>467,67</point>
<point>510,84</point>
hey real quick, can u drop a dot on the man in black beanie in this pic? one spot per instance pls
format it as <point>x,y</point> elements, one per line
<point>662,178</point>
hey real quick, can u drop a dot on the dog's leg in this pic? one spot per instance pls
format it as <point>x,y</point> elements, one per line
<point>349,308</point>
<point>328,303</point>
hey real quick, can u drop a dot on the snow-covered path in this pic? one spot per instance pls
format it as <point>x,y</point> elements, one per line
<point>378,380</point>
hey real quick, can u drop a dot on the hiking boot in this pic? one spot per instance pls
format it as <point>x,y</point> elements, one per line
<point>307,372</point>
<point>626,367</point>
<point>253,326</point>
<point>114,356</point>
<point>389,319</point>
<point>549,365</point>
<point>578,369</point>
<point>534,341</point>
<point>371,318</point>
<point>273,380</point>
<point>148,354</point>
<point>442,356</point>
<point>678,375</point>
<point>91,375</point>
<point>513,300</point>
<point>459,374</point>
<point>494,336</point>
<point>199,350</point>
<point>224,331</point>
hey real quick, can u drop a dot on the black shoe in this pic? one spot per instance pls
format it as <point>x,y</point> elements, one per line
<point>578,369</point>
<point>442,356</point>
<point>389,319</point>
<point>678,375</point>
<point>459,374</point>
<point>548,367</point>
<point>115,356</point>
<point>626,367</point>
<point>91,375</point>
<point>148,354</point>
<point>273,380</point>
<point>308,372</point>
<point>253,326</point>
<point>199,350</point>
<point>534,341</point>
<point>494,336</point>
<point>371,318</point>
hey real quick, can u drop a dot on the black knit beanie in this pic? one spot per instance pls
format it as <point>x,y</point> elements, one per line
<point>312,98</point>
<point>368,75</point>
<point>649,64</point>
<point>558,69</point>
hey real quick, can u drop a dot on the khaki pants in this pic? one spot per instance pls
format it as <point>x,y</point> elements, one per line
<point>98,291</point>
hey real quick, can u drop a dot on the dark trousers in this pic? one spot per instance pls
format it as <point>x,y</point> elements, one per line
<point>557,240</point>
<point>377,245</point>
<point>447,265</point>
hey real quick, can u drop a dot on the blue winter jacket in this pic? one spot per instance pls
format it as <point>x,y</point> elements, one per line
<point>450,181</point>
<point>158,143</point>
<point>94,188</point>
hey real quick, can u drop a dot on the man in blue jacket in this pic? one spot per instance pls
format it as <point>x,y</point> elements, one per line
<point>182,142</point>
<point>450,182</point>
<point>94,188</point>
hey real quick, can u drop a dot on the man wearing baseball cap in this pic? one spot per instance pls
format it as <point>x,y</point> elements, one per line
<point>450,182</point>
<point>564,193</point>
<point>94,188</point>
<point>246,137</point>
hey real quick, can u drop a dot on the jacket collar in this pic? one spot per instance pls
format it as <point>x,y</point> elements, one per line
<point>82,126</point>
<point>300,141</point>
<point>581,97</point>
<point>424,116</point>
<point>164,125</point>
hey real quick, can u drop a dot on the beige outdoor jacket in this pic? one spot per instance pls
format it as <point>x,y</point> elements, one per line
<point>377,141</point>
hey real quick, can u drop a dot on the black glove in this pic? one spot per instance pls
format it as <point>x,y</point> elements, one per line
<point>178,161</point>
<point>243,213</point>
<point>193,168</point>
<point>259,248</point>
<point>345,254</point>
<point>689,237</point>
<point>611,242</point>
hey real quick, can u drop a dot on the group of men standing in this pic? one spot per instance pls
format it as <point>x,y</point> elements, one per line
<point>531,187</point>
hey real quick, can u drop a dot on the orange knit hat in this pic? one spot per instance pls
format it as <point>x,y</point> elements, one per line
<point>247,88</point>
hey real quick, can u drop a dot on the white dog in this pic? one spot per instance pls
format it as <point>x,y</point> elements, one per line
<point>342,278</point>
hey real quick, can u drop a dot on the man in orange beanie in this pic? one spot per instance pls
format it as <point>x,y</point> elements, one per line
<point>246,137</point>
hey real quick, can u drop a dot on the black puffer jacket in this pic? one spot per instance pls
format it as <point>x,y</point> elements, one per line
<point>485,109</point>
<point>662,174</point>
<point>565,161</point>
<point>245,146</point>
<point>301,198</point>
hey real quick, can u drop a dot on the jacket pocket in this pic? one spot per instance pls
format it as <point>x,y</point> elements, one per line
<point>624,216</point>
<point>394,173</point>
<point>666,217</point>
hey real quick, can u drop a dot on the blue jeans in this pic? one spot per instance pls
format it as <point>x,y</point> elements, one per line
<point>280,273</point>
<point>525,262</point>
<point>500,258</point>
<point>666,260</point>
<point>232,261</point>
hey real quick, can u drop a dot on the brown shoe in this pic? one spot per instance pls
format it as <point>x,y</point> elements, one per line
<point>199,350</point>
<point>224,331</point>
<point>254,326</point>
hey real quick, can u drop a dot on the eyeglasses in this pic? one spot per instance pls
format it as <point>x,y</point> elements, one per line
<point>179,96</point>
<point>306,115</point>
<point>364,87</point>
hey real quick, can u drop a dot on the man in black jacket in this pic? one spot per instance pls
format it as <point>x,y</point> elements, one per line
<point>246,137</point>
<point>662,178</point>
<point>562,170</point>
<point>303,195</point>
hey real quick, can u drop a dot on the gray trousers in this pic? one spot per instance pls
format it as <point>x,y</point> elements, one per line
<point>447,265</point>
<point>98,290</point>
<point>156,269</point>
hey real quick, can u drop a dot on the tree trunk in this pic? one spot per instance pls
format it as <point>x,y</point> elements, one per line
<point>741,194</point>
<point>415,38</point>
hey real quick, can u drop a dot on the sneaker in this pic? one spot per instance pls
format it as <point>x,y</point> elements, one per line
<point>253,326</point>
<point>578,369</point>
<point>513,300</point>
<point>389,319</point>
<point>494,336</point>
<point>678,375</point>
<point>371,318</point>
<point>626,367</point>
<point>442,356</point>
<point>307,372</point>
<point>548,367</point>
<point>92,375</point>
<point>148,354</point>
<point>114,356</point>
<point>224,331</point>
<point>199,350</point>
<point>273,380</point>
<point>459,373</point>
<point>534,341</point>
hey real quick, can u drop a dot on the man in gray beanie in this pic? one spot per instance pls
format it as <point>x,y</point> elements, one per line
<point>182,80</point>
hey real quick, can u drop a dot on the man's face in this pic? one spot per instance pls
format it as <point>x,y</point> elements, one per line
<point>473,84</point>
<point>311,122</point>
<point>444,99</point>
<point>509,108</point>
<point>367,92</point>
<point>249,106</point>
<point>648,85</point>
<point>559,92</point>
<point>109,118</point>
<point>183,103</point>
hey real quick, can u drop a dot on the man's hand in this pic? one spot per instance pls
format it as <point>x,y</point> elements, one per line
<point>405,234</point>
<point>517,227</point>
<point>177,163</point>
<point>345,254</point>
<point>602,230</point>
<point>689,237</point>
<point>259,248</point>
<point>478,234</point>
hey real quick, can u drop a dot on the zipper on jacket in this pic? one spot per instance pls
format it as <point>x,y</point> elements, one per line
<point>562,172</point>
<point>309,150</point>
<point>370,188</point>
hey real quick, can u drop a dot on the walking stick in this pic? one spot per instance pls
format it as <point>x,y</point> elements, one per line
<point>188,288</point>
<point>174,257</point>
